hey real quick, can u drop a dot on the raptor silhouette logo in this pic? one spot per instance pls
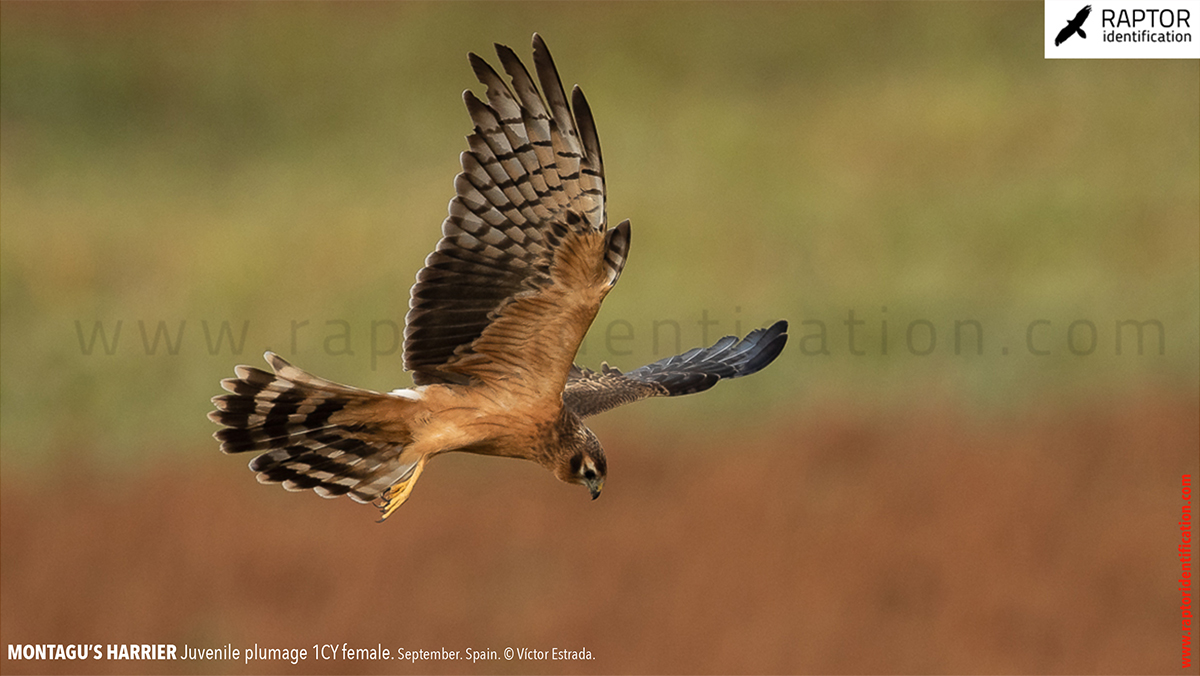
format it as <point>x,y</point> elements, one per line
<point>1074,26</point>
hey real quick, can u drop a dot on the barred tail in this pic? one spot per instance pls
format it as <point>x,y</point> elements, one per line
<point>314,433</point>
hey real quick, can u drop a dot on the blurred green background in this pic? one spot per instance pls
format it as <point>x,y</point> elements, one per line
<point>275,163</point>
<point>270,164</point>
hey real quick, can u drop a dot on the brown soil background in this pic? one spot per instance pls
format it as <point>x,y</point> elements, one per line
<point>1044,542</point>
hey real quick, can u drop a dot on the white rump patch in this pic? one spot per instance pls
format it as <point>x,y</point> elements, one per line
<point>412,394</point>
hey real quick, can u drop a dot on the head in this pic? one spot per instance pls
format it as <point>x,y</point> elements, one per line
<point>583,461</point>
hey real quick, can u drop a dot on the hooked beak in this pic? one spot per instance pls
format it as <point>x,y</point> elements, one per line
<point>594,487</point>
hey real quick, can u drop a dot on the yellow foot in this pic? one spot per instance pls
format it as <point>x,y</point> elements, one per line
<point>399,491</point>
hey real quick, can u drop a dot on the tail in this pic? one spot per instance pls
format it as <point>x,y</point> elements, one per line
<point>314,433</point>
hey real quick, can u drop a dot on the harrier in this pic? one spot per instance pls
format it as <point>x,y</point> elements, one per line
<point>495,319</point>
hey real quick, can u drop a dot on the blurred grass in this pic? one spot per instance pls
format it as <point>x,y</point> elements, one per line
<point>274,163</point>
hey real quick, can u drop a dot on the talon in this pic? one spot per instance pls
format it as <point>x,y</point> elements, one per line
<point>399,492</point>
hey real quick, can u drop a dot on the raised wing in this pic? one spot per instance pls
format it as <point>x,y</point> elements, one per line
<point>525,258</point>
<point>589,393</point>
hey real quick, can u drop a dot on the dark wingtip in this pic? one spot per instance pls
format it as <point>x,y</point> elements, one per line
<point>770,344</point>
<point>700,368</point>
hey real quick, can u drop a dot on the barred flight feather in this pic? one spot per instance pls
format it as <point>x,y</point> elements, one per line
<point>533,175</point>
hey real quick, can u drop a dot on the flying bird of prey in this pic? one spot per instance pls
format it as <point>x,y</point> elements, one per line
<point>495,319</point>
<point>1074,26</point>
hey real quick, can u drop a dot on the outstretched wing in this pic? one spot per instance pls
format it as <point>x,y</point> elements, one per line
<point>589,393</point>
<point>526,257</point>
